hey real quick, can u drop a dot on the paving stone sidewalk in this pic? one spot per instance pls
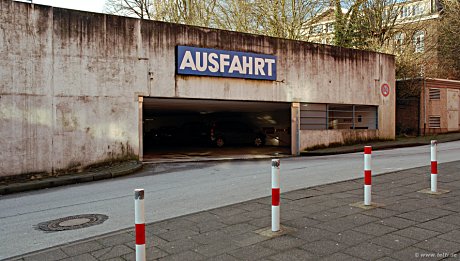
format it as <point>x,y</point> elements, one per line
<point>319,224</point>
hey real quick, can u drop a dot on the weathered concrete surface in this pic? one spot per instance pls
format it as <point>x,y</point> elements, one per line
<point>312,138</point>
<point>70,81</point>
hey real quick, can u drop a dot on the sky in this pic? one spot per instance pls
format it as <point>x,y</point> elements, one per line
<point>85,5</point>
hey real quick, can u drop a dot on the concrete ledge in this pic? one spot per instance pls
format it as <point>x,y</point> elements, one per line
<point>59,182</point>
<point>123,172</point>
<point>14,188</point>
<point>102,175</point>
<point>84,178</point>
<point>356,148</point>
<point>108,173</point>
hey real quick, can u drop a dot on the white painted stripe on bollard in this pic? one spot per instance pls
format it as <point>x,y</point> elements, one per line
<point>367,195</point>
<point>139,221</point>
<point>275,195</point>
<point>275,218</point>
<point>434,183</point>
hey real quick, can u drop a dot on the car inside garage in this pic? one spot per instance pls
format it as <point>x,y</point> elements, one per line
<point>185,128</point>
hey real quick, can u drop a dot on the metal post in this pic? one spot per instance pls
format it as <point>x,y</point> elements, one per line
<point>275,195</point>
<point>139,224</point>
<point>434,166</point>
<point>367,175</point>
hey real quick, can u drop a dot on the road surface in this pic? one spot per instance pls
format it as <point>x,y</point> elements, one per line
<point>173,190</point>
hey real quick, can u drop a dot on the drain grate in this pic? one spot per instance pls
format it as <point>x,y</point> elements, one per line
<point>72,222</point>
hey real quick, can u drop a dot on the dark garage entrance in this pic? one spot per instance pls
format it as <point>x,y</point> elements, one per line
<point>181,129</point>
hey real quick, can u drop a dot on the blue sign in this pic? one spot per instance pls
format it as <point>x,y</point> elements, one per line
<point>222,63</point>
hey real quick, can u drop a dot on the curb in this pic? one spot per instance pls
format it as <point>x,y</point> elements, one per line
<point>217,160</point>
<point>354,150</point>
<point>69,179</point>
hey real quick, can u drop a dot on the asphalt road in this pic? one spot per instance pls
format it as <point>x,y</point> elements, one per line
<point>176,189</point>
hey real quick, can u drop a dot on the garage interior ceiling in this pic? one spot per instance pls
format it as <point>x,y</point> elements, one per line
<point>199,105</point>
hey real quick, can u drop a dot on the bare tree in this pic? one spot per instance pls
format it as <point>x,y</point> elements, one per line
<point>193,12</point>
<point>144,9</point>
<point>238,15</point>
<point>286,18</point>
<point>366,24</point>
<point>449,40</point>
<point>278,18</point>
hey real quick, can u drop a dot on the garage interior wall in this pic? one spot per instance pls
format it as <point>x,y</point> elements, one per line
<point>70,82</point>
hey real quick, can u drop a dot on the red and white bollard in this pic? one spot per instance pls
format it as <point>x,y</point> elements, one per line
<point>139,221</point>
<point>434,166</point>
<point>275,195</point>
<point>367,175</point>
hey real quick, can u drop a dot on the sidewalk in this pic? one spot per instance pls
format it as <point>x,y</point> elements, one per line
<point>318,224</point>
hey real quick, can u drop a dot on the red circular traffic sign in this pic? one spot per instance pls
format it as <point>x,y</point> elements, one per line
<point>385,89</point>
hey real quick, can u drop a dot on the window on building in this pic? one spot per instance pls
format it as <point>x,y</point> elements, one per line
<point>330,27</point>
<point>365,117</point>
<point>419,41</point>
<point>393,13</point>
<point>434,122</point>
<point>435,94</point>
<point>338,116</point>
<point>417,9</point>
<point>399,39</point>
<point>313,116</point>
<point>406,11</point>
<point>317,29</point>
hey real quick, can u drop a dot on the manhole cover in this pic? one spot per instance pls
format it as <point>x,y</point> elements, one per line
<point>72,222</point>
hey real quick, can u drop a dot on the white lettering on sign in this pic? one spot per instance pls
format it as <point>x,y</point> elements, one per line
<point>188,61</point>
<point>269,64</point>
<point>214,67</point>
<point>247,65</point>
<point>203,61</point>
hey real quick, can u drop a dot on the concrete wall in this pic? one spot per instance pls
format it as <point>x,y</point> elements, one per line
<point>67,85</point>
<point>70,81</point>
<point>333,137</point>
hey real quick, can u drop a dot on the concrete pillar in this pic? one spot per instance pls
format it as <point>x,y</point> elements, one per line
<point>295,128</point>
<point>140,127</point>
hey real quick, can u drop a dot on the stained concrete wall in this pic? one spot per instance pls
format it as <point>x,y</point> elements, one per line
<point>334,137</point>
<point>70,81</point>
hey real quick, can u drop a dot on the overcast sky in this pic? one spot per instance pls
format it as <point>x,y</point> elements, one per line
<point>86,5</point>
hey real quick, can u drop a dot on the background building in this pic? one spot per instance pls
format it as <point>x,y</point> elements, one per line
<point>427,106</point>
<point>426,103</point>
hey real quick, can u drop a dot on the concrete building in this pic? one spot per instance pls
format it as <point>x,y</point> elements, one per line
<point>78,88</point>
